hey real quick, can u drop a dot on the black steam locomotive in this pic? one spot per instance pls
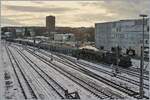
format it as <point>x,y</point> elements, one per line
<point>103,57</point>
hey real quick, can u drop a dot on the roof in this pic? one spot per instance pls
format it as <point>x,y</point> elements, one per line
<point>115,21</point>
<point>89,47</point>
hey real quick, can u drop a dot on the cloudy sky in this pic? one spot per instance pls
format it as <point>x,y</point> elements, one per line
<point>71,13</point>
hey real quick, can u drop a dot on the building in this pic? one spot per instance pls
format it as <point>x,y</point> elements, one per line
<point>20,31</point>
<point>64,37</point>
<point>50,23</point>
<point>126,34</point>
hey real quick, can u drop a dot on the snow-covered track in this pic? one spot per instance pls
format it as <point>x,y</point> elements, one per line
<point>130,71</point>
<point>82,64</point>
<point>51,82</point>
<point>30,94</point>
<point>108,82</point>
<point>87,84</point>
<point>104,80</point>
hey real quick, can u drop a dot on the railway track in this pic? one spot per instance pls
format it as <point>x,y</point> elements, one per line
<point>131,71</point>
<point>61,92</point>
<point>135,69</point>
<point>30,94</point>
<point>81,64</point>
<point>85,71</point>
<point>93,75</point>
<point>87,84</point>
<point>131,93</point>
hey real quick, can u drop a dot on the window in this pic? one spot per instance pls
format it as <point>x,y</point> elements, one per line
<point>146,41</point>
<point>114,24</point>
<point>147,28</point>
<point>119,29</point>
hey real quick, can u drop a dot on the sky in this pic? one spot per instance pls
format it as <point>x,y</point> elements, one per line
<point>71,13</point>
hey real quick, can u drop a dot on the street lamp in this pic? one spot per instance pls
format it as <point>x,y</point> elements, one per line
<point>141,91</point>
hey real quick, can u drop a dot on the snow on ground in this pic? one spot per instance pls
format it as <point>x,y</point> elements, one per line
<point>110,70</point>
<point>127,84</point>
<point>2,81</point>
<point>134,87</point>
<point>56,62</point>
<point>136,64</point>
<point>42,88</point>
<point>68,84</point>
<point>101,66</point>
<point>39,84</point>
<point>119,81</point>
<point>10,89</point>
<point>79,74</point>
<point>114,79</point>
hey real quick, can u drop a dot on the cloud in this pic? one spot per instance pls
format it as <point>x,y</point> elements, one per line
<point>74,13</point>
<point>6,21</point>
<point>93,18</point>
<point>124,8</point>
<point>128,8</point>
<point>16,15</point>
<point>36,9</point>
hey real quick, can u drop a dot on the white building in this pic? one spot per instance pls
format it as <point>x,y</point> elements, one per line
<point>64,37</point>
<point>126,34</point>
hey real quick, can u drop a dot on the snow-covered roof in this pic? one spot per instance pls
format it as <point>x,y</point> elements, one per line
<point>89,47</point>
<point>41,37</point>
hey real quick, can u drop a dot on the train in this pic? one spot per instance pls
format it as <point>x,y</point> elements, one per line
<point>101,56</point>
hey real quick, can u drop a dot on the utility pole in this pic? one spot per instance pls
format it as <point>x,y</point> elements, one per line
<point>141,91</point>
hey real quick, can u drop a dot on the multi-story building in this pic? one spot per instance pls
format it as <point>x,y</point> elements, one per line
<point>50,23</point>
<point>126,34</point>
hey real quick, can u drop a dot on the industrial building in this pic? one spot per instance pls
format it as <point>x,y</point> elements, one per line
<point>126,34</point>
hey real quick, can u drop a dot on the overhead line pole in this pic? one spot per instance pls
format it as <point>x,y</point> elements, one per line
<point>141,90</point>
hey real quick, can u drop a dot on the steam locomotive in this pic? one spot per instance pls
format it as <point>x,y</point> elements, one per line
<point>103,57</point>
